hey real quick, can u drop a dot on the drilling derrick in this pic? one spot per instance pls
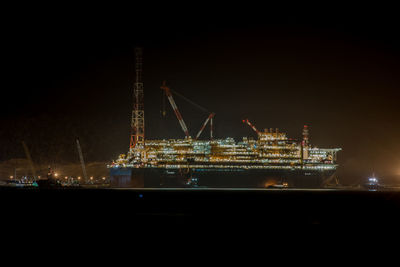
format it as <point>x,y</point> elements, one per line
<point>137,144</point>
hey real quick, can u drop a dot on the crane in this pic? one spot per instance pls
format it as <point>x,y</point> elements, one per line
<point>168,92</point>
<point>209,118</point>
<point>28,156</point>
<point>251,125</point>
<point>81,160</point>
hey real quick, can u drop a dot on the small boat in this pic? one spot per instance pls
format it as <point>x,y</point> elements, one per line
<point>372,183</point>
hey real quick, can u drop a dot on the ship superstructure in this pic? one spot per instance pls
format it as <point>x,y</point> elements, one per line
<point>272,150</point>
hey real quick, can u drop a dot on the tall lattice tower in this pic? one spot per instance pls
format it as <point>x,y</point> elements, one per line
<point>136,147</point>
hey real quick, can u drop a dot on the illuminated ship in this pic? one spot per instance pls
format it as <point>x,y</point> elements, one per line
<point>270,159</point>
<point>267,161</point>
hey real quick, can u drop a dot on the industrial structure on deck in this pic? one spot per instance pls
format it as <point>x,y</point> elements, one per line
<point>270,160</point>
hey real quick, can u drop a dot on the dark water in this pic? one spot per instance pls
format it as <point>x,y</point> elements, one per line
<point>202,207</point>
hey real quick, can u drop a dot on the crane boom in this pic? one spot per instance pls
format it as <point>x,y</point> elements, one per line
<point>205,124</point>
<point>82,162</point>
<point>175,108</point>
<point>251,125</point>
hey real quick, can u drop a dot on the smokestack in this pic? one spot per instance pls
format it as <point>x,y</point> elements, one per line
<point>305,135</point>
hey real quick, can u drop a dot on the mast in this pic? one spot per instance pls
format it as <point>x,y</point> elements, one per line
<point>305,142</point>
<point>305,136</point>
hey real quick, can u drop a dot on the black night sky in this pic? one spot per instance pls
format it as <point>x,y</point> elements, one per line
<point>70,73</point>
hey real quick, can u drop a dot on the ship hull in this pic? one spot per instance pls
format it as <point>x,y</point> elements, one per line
<point>216,178</point>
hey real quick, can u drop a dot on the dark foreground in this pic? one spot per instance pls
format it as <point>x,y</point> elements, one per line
<point>120,210</point>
